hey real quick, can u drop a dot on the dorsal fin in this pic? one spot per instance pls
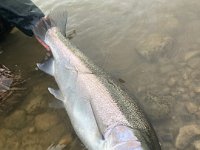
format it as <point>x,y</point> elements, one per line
<point>56,18</point>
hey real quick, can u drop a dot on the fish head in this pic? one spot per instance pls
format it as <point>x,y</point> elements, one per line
<point>122,138</point>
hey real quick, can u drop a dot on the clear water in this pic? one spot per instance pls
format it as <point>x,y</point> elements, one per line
<point>153,45</point>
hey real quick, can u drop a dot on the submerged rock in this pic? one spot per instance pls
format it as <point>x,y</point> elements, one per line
<point>45,121</point>
<point>13,142</point>
<point>196,145</point>
<point>191,107</point>
<point>17,120</point>
<point>36,105</point>
<point>186,135</point>
<point>154,46</point>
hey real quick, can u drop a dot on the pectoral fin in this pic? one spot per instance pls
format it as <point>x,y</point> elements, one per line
<point>99,128</point>
<point>47,66</point>
<point>56,93</point>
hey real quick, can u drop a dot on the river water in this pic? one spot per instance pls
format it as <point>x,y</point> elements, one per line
<point>150,46</point>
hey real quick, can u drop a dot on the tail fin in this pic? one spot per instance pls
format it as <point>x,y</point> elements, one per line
<point>56,18</point>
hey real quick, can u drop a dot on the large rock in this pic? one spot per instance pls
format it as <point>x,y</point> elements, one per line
<point>186,135</point>
<point>45,121</point>
<point>154,46</point>
<point>17,120</point>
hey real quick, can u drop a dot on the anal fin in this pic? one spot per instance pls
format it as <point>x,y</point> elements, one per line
<point>47,66</point>
<point>56,93</point>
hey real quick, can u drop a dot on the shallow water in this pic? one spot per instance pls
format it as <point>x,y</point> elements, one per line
<point>152,45</point>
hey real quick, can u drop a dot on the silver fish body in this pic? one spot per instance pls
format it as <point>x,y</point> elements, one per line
<point>102,114</point>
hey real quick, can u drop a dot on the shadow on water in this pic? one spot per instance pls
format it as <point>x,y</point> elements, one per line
<point>151,46</point>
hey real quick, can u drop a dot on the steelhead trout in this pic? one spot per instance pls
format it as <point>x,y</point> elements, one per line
<point>103,116</point>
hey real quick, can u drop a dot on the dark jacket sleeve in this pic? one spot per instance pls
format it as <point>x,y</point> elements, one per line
<point>21,13</point>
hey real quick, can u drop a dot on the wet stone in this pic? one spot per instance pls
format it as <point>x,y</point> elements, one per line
<point>45,121</point>
<point>154,46</point>
<point>186,135</point>
<point>17,120</point>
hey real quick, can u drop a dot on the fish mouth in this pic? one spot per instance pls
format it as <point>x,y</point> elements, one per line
<point>43,43</point>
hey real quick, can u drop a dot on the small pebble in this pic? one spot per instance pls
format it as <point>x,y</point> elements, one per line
<point>31,130</point>
<point>197,89</point>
